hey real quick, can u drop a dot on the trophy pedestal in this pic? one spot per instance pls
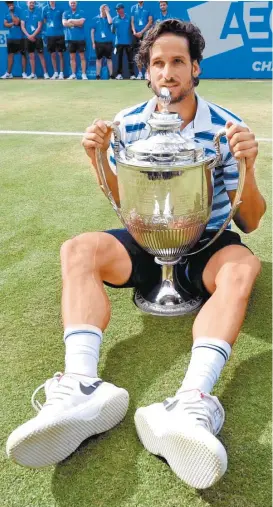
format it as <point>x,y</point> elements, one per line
<point>169,298</point>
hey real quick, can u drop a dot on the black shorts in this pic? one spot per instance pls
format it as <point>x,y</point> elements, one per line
<point>103,49</point>
<point>76,46</point>
<point>56,44</point>
<point>37,45</point>
<point>16,46</point>
<point>146,273</point>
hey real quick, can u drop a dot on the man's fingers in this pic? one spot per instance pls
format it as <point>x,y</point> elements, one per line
<point>232,129</point>
<point>101,124</point>
<point>246,153</point>
<point>240,137</point>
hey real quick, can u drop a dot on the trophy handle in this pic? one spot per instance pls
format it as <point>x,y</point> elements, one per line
<point>236,202</point>
<point>98,154</point>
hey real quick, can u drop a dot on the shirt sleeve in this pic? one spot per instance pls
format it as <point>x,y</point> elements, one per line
<point>65,15</point>
<point>230,170</point>
<point>82,13</point>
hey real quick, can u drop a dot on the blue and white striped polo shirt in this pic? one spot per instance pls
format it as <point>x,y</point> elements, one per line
<point>209,119</point>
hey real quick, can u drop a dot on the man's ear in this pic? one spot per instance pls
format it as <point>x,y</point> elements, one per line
<point>195,68</point>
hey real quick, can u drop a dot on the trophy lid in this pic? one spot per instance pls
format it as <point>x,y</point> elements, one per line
<point>166,143</point>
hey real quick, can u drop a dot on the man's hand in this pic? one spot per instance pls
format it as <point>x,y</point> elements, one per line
<point>242,143</point>
<point>96,136</point>
<point>138,35</point>
<point>31,38</point>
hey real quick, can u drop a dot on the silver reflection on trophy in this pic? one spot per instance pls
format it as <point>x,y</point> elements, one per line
<point>166,194</point>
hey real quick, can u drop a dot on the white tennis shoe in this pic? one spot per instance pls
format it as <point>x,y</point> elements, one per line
<point>182,430</point>
<point>74,411</point>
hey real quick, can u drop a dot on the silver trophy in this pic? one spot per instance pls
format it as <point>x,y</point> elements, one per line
<point>165,186</point>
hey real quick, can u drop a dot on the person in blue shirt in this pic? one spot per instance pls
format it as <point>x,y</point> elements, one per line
<point>164,13</point>
<point>31,24</point>
<point>141,21</point>
<point>52,16</point>
<point>102,39</point>
<point>15,39</point>
<point>123,41</point>
<point>73,21</point>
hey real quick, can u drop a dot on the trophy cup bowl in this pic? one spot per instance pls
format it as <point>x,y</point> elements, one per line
<point>165,187</point>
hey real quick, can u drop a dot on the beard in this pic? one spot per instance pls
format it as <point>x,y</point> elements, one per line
<point>184,93</point>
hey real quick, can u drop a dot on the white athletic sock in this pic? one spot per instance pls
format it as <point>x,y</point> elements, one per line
<point>82,346</point>
<point>209,356</point>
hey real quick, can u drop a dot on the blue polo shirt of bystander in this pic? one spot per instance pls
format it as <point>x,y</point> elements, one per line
<point>76,32</point>
<point>15,31</point>
<point>53,21</point>
<point>163,18</point>
<point>141,17</point>
<point>122,29</point>
<point>31,19</point>
<point>103,32</point>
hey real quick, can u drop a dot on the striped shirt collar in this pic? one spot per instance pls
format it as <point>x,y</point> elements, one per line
<point>201,122</point>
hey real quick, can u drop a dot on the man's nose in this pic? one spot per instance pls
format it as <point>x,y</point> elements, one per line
<point>167,72</point>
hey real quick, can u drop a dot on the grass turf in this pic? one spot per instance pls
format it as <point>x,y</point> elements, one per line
<point>47,196</point>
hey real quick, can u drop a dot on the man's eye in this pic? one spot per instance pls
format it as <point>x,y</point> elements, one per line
<point>178,60</point>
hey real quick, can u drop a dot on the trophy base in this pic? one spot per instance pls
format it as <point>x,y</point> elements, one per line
<point>165,301</point>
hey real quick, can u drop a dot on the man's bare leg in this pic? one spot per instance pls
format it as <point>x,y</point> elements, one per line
<point>87,260</point>
<point>183,429</point>
<point>78,404</point>
<point>229,276</point>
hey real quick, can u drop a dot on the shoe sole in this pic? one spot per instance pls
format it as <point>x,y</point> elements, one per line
<point>197,458</point>
<point>51,443</point>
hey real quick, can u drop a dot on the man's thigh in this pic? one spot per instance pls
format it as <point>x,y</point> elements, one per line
<point>202,268</point>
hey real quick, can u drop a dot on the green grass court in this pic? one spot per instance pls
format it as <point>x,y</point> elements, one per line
<point>49,195</point>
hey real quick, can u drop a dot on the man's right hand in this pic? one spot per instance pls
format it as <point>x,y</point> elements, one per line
<point>96,136</point>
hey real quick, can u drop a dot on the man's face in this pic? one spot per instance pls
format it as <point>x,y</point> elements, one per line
<point>171,66</point>
<point>11,7</point>
<point>103,11</point>
<point>120,11</point>
<point>163,6</point>
<point>140,4</point>
<point>73,5</point>
<point>52,4</point>
<point>31,5</point>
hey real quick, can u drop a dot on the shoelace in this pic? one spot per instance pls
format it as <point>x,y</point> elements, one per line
<point>34,402</point>
<point>200,411</point>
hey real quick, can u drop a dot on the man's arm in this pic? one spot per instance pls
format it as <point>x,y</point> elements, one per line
<point>15,19</point>
<point>7,24</point>
<point>108,15</point>
<point>93,37</point>
<point>23,27</point>
<point>243,144</point>
<point>133,25</point>
<point>98,136</point>
<point>150,22</point>
<point>78,22</point>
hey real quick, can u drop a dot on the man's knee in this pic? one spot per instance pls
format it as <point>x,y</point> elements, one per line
<point>85,252</point>
<point>238,278</point>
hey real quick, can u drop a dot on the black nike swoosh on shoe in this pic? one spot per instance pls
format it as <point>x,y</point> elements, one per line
<point>90,389</point>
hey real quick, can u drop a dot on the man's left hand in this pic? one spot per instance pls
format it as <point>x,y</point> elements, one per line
<point>242,143</point>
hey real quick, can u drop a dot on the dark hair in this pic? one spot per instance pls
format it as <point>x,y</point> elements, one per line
<point>163,1</point>
<point>176,27</point>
